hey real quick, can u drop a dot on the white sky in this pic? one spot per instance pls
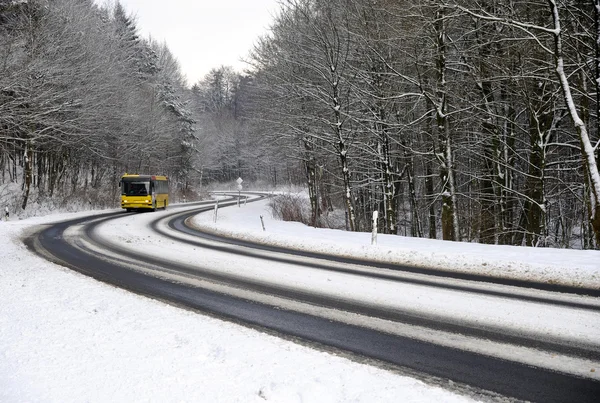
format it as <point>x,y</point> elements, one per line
<point>204,34</point>
<point>67,337</point>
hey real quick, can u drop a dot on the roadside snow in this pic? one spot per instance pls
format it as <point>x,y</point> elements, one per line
<point>563,266</point>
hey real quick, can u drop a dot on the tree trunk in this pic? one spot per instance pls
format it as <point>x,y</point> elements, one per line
<point>450,230</point>
<point>587,150</point>
<point>27,172</point>
<point>311,178</point>
<point>388,184</point>
<point>539,127</point>
<point>429,189</point>
<point>342,151</point>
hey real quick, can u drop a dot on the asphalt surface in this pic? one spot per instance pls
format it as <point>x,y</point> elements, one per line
<point>483,376</point>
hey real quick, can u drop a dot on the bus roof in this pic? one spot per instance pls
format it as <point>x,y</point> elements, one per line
<point>144,177</point>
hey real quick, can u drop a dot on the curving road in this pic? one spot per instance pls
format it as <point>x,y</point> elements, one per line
<point>312,298</point>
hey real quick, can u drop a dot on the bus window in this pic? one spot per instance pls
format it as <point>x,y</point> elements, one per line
<point>135,188</point>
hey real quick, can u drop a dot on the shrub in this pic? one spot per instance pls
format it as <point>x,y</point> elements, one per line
<point>289,207</point>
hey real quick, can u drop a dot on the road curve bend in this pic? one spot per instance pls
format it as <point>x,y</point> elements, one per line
<point>234,281</point>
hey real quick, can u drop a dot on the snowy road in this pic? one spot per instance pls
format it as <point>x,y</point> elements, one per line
<point>530,344</point>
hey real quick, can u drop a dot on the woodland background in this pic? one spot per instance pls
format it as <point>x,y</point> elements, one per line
<point>461,120</point>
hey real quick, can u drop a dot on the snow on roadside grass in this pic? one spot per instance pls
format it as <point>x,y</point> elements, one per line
<point>579,268</point>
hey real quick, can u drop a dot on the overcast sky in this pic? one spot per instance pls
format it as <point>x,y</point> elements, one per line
<point>204,34</point>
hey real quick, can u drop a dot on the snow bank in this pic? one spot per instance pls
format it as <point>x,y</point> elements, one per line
<point>580,268</point>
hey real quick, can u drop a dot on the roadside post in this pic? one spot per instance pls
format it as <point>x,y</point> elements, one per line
<point>374,234</point>
<point>216,210</point>
<point>239,188</point>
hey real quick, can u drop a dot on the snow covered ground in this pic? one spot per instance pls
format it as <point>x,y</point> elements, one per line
<point>561,266</point>
<point>65,337</point>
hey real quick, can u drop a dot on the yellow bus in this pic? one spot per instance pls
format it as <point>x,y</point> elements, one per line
<point>144,192</point>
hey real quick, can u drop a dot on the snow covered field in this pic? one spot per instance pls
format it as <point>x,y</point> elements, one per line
<point>65,337</point>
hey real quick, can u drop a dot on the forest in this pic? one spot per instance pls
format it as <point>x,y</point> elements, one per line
<point>466,120</point>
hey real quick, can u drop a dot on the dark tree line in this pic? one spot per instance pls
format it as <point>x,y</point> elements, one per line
<point>84,99</point>
<point>461,120</point>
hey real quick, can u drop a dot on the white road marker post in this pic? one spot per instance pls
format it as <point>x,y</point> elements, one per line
<point>216,210</point>
<point>239,188</point>
<point>374,234</point>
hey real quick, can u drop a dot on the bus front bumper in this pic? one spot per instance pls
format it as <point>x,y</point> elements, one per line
<point>139,203</point>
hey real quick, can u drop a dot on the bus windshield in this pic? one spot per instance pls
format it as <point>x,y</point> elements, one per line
<point>135,188</point>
